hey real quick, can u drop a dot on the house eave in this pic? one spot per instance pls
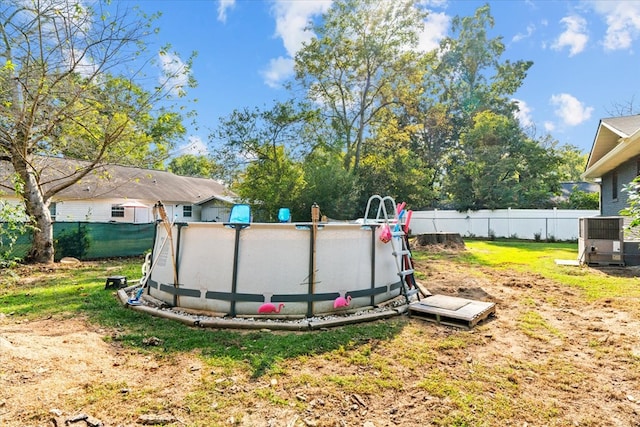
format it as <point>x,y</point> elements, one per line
<point>623,151</point>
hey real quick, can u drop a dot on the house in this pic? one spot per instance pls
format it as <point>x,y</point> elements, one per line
<point>614,161</point>
<point>115,193</point>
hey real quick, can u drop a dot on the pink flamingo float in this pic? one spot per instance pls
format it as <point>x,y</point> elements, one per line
<point>342,301</point>
<point>270,308</point>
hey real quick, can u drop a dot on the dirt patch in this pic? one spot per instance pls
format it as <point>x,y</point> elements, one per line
<point>49,364</point>
<point>438,242</point>
<point>580,363</point>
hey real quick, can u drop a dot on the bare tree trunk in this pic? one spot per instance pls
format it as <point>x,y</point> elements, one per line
<point>37,209</point>
<point>42,249</point>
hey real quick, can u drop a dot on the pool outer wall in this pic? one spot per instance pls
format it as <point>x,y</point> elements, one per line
<point>233,269</point>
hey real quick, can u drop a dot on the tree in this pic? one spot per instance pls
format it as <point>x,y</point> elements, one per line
<point>328,184</point>
<point>470,77</point>
<point>261,151</point>
<point>497,166</point>
<point>360,60</point>
<point>579,199</point>
<point>271,182</point>
<point>573,162</point>
<point>252,134</point>
<point>390,165</point>
<point>192,165</point>
<point>463,78</point>
<point>67,88</point>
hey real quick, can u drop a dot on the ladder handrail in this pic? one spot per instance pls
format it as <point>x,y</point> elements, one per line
<point>382,208</point>
<point>399,255</point>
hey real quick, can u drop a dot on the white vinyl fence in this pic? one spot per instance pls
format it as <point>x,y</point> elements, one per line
<point>552,224</point>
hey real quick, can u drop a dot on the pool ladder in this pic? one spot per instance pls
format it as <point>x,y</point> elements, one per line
<point>402,255</point>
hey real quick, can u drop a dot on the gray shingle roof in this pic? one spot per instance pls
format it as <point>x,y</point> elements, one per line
<point>115,181</point>
<point>624,126</point>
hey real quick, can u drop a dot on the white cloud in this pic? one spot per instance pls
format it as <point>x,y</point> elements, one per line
<point>279,69</point>
<point>195,146</point>
<point>435,29</point>
<point>623,23</point>
<point>433,3</point>
<point>575,35</point>
<point>174,73</point>
<point>523,114</point>
<point>223,6</point>
<point>549,126</point>
<point>292,19</point>
<point>521,36</point>
<point>570,110</point>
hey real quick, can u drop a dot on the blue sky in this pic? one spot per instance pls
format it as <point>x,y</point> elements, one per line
<point>584,54</point>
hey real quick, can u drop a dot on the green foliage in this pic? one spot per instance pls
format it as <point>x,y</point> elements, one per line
<point>271,182</point>
<point>73,243</point>
<point>359,63</point>
<point>497,166</point>
<point>581,200</point>
<point>396,171</point>
<point>90,105</point>
<point>434,129</point>
<point>254,135</point>
<point>261,153</point>
<point>572,163</point>
<point>470,76</point>
<point>633,202</point>
<point>193,165</point>
<point>12,226</point>
<point>329,185</point>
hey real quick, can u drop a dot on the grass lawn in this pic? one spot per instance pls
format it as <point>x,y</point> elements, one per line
<point>563,351</point>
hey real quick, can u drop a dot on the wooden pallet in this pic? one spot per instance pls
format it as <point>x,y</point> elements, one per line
<point>452,311</point>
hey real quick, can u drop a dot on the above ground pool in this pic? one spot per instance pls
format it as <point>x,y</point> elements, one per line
<point>282,270</point>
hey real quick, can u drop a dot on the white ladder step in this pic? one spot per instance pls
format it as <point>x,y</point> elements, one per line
<point>405,273</point>
<point>402,252</point>
<point>411,292</point>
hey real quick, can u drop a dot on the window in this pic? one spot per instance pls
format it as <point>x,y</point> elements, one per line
<point>117,211</point>
<point>53,210</point>
<point>187,211</point>
<point>614,185</point>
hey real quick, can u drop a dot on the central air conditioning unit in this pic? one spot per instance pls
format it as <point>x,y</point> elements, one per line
<point>601,241</point>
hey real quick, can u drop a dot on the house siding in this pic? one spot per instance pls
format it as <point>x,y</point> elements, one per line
<point>214,211</point>
<point>99,210</point>
<point>626,173</point>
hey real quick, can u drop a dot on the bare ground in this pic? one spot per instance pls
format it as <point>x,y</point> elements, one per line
<point>582,368</point>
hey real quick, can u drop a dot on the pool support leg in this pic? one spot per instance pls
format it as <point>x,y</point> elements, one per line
<point>234,280</point>
<point>315,217</point>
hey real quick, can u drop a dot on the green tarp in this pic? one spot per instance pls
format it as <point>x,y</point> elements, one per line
<point>105,240</point>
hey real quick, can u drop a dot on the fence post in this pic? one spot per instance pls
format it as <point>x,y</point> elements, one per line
<point>546,228</point>
<point>435,214</point>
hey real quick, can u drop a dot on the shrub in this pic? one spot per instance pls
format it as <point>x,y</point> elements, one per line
<point>12,226</point>
<point>73,243</point>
